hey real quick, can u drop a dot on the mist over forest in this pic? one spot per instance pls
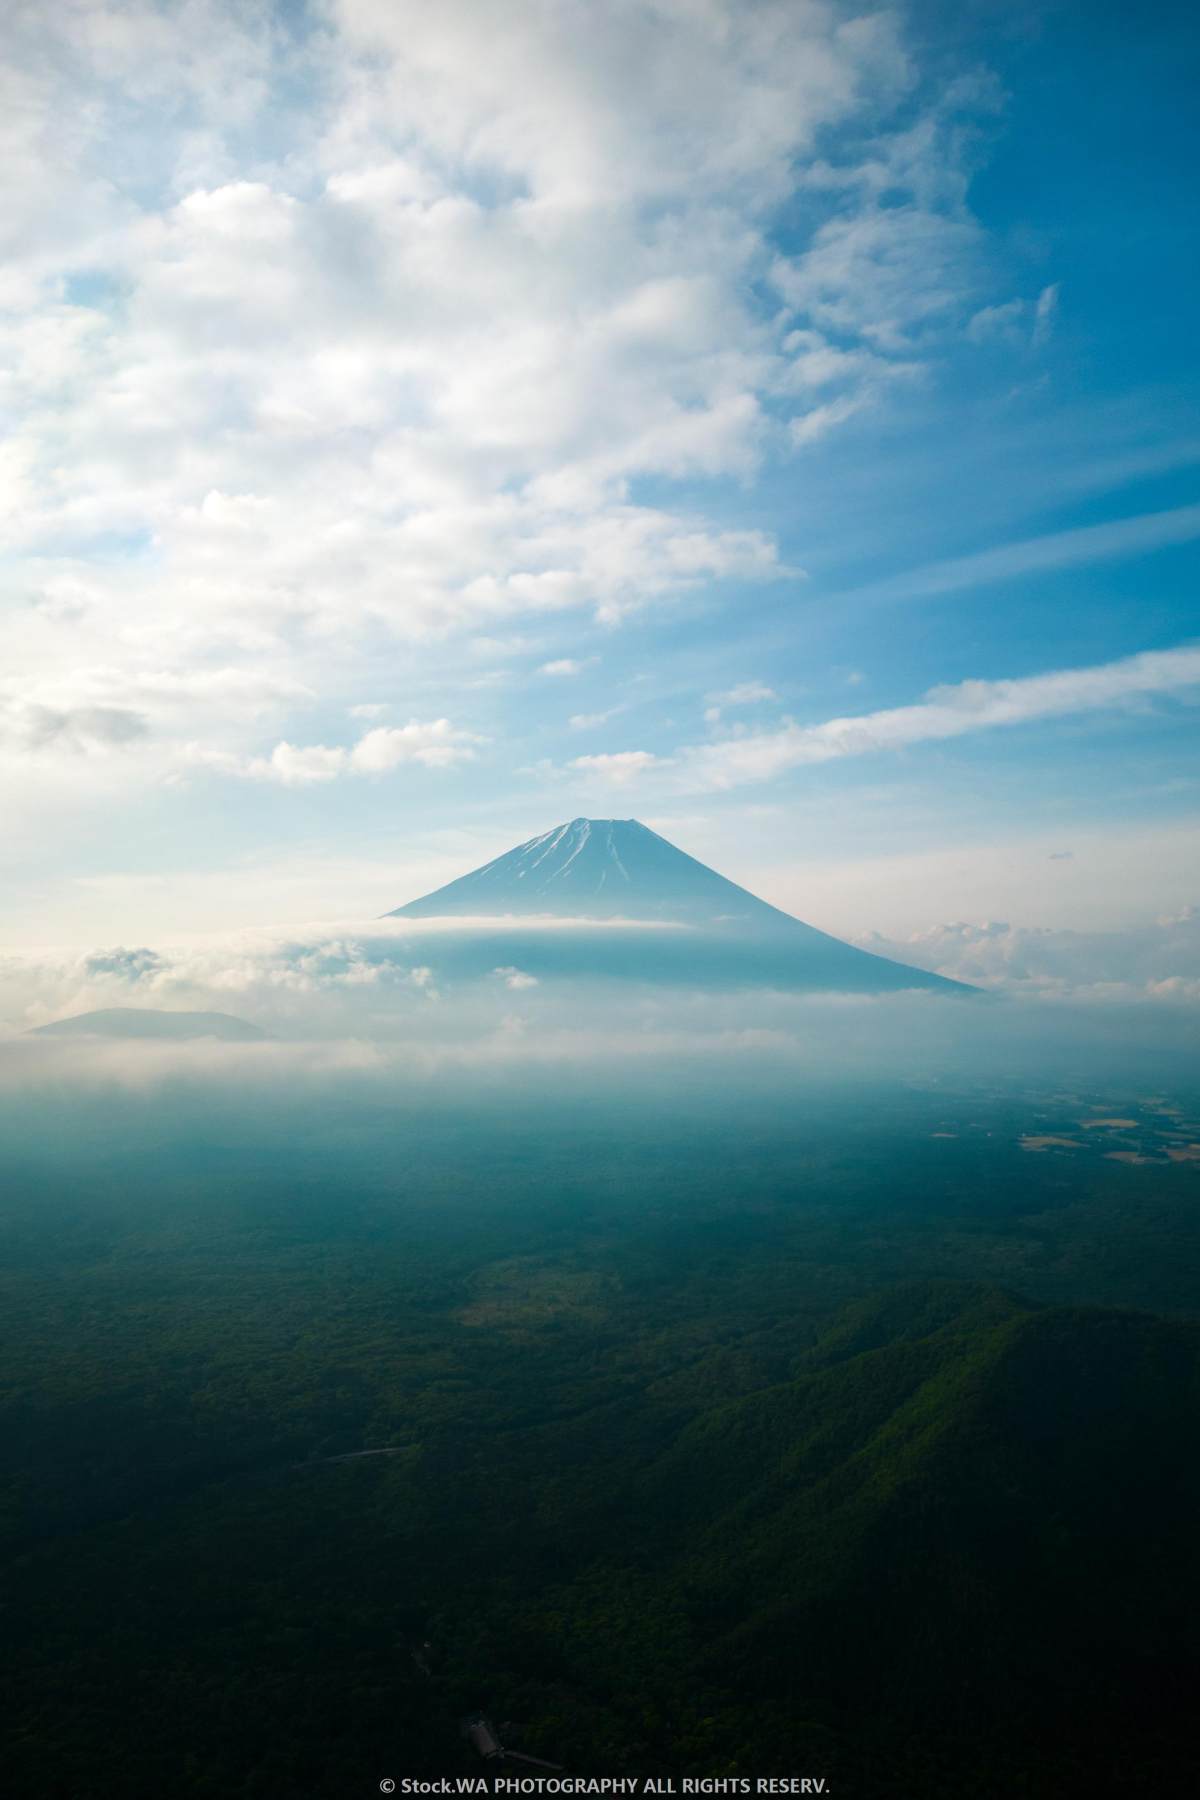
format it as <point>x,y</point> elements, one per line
<point>585,1358</point>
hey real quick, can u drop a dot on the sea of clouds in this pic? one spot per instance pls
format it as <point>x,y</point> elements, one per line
<point>417,1012</point>
<point>347,978</point>
<point>1156,960</point>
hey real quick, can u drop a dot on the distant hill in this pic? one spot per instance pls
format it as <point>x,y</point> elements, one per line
<point>619,872</point>
<point>145,1022</point>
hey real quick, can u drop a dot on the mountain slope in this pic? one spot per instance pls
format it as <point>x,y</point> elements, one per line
<point>962,1529</point>
<point>618,871</point>
<point>598,869</point>
<point>1022,1511</point>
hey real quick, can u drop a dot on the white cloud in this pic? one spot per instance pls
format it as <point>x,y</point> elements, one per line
<point>1016,323</point>
<point>516,979</point>
<point>352,981</point>
<point>563,665</point>
<point>616,766</point>
<point>809,427</point>
<point>313,342</point>
<point>745,693</point>
<point>435,744</point>
<point>1045,313</point>
<point>896,267</point>
<point>945,712</point>
<point>1156,958</point>
<point>1003,324</point>
<point>299,765</point>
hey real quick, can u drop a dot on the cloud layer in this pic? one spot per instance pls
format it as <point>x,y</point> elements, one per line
<point>1159,959</point>
<point>338,325</point>
<point>437,980</point>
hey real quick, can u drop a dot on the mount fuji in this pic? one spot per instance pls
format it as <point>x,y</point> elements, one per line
<point>610,897</point>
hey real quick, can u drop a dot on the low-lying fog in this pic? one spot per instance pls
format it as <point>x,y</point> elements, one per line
<point>344,1027</point>
<point>422,1016</point>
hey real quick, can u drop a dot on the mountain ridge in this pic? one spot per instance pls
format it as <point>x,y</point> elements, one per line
<point>151,1022</point>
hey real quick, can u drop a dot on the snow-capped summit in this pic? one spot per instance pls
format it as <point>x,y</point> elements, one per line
<point>617,872</point>
<point>597,869</point>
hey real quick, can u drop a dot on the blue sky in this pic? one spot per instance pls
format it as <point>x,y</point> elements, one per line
<point>773,421</point>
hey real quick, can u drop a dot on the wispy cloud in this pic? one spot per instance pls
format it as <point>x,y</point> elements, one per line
<point>1000,324</point>
<point>1016,322</point>
<point>744,693</point>
<point>591,721</point>
<point>1045,313</point>
<point>944,712</point>
<point>1030,556</point>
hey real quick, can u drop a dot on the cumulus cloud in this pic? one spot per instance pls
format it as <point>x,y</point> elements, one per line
<point>377,979</point>
<point>326,979</point>
<point>516,979</point>
<point>506,271</point>
<point>1155,959</point>
<point>616,766</point>
<point>434,744</point>
<point>299,765</point>
<point>126,966</point>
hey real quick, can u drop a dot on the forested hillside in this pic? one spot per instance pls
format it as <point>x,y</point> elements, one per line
<point>866,1473</point>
